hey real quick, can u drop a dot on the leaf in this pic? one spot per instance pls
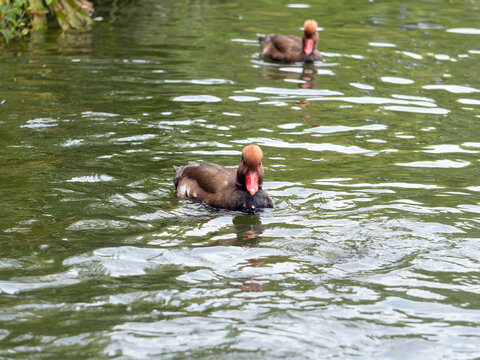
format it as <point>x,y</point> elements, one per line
<point>6,35</point>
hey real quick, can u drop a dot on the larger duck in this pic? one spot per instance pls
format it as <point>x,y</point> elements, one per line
<point>288,48</point>
<point>219,187</point>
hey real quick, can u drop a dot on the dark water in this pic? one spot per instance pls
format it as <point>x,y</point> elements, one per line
<point>371,158</point>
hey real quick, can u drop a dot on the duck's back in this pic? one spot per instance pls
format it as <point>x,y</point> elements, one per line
<point>279,47</point>
<point>204,182</point>
<point>209,177</point>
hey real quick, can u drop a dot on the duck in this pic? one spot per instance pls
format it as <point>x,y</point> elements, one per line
<point>225,188</point>
<point>289,48</point>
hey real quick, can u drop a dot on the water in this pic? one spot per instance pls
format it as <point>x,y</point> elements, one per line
<point>371,159</point>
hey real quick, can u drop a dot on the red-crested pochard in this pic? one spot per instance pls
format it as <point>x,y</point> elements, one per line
<point>288,48</point>
<point>220,187</point>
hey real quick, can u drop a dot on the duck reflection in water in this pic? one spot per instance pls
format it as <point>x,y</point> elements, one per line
<point>248,228</point>
<point>307,76</point>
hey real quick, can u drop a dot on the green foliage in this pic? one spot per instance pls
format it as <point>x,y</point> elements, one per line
<point>19,17</point>
<point>12,19</point>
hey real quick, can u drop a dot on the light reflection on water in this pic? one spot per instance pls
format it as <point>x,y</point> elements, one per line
<point>371,159</point>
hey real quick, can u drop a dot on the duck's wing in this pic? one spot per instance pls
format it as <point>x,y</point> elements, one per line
<point>287,43</point>
<point>204,177</point>
<point>279,47</point>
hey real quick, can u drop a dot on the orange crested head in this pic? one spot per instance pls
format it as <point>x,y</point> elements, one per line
<point>310,27</point>
<point>252,156</point>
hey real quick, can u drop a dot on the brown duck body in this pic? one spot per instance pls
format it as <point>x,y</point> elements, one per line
<point>285,48</point>
<point>288,48</point>
<point>220,187</point>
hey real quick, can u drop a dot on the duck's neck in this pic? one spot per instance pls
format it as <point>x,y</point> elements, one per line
<point>240,180</point>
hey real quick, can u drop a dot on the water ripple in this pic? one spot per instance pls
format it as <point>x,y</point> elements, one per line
<point>240,98</point>
<point>197,98</point>
<point>40,123</point>
<point>469,31</point>
<point>307,146</point>
<point>396,80</point>
<point>381,44</point>
<point>201,81</point>
<point>419,110</point>
<point>293,92</point>
<point>91,178</point>
<point>371,159</point>
<point>456,89</point>
<point>437,164</point>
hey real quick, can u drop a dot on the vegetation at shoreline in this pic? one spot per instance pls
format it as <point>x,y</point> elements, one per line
<point>19,17</point>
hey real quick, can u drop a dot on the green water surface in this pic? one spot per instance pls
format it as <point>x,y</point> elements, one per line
<point>371,159</point>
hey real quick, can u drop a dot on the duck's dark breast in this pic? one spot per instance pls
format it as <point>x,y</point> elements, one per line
<point>241,200</point>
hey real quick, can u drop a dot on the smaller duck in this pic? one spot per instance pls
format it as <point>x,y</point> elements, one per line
<point>224,188</point>
<point>288,48</point>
